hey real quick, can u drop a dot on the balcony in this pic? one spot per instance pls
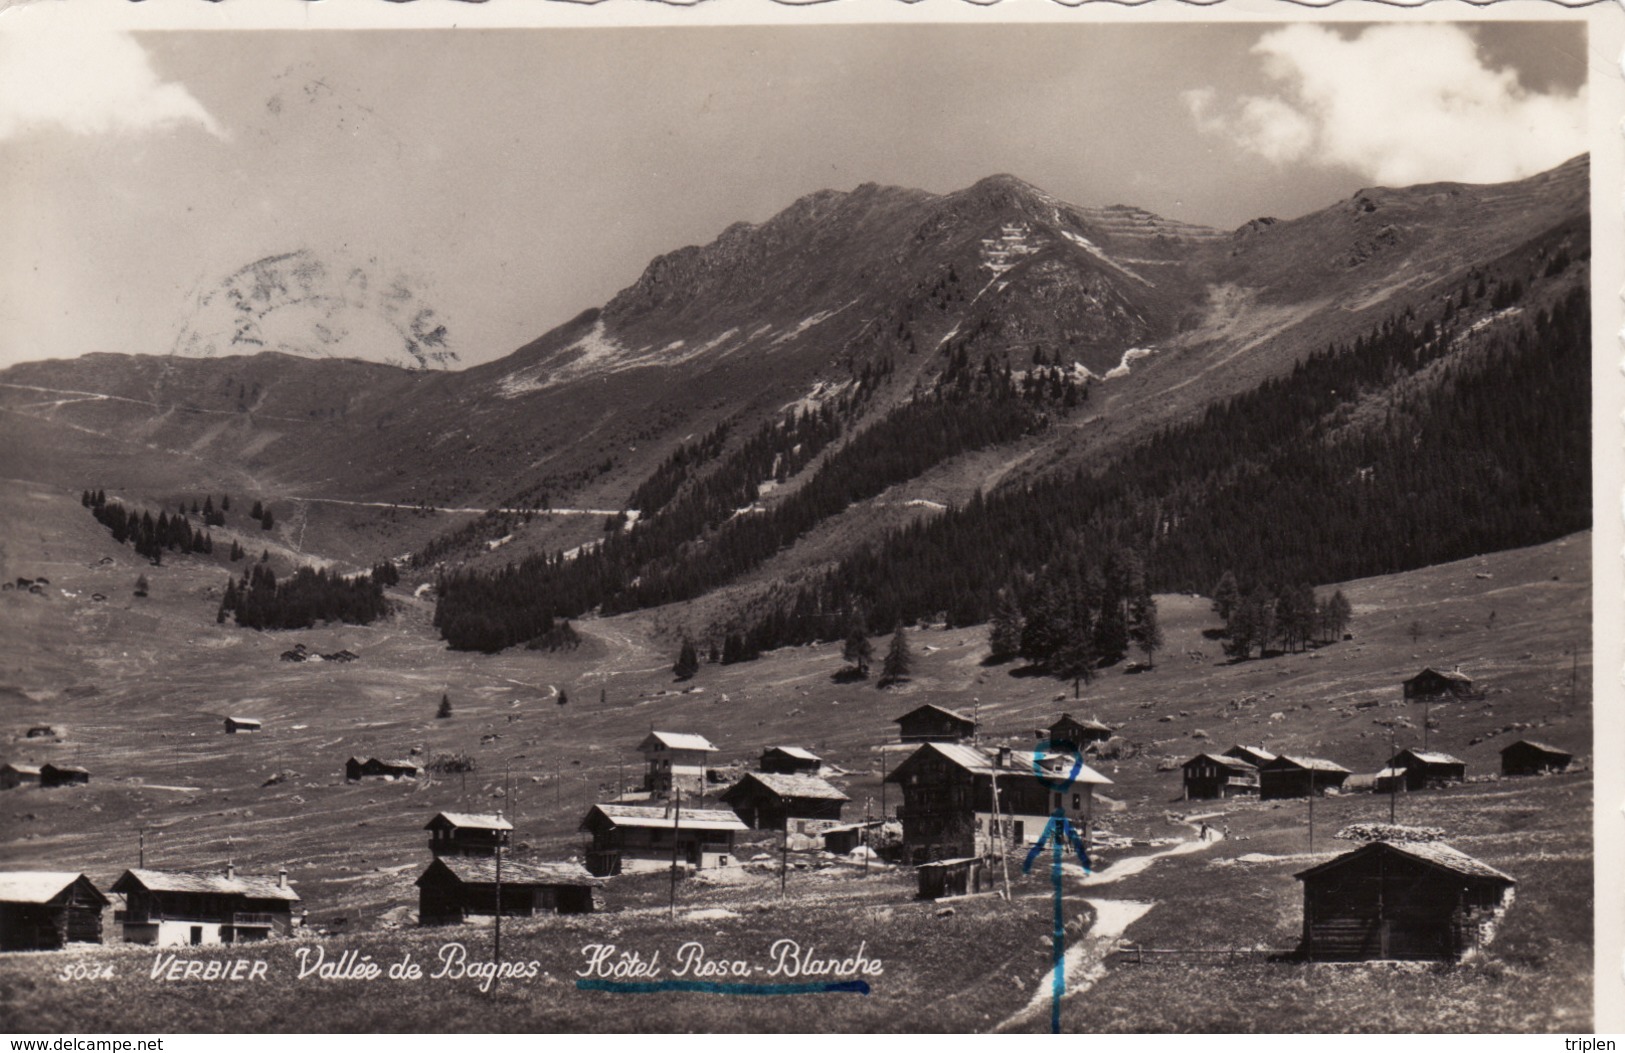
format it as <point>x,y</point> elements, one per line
<point>253,920</point>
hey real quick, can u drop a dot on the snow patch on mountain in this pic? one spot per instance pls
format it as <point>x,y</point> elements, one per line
<point>1131,355</point>
<point>1095,250</point>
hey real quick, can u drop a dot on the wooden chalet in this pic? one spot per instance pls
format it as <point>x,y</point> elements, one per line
<point>1533,758</point>
<point>765,801</point>
<point>54,775</point>
<point>1299,777</point>
<point>1408,901</point>
<point>676,762</point>
<point>1431,683</point>
<point>15,775</point>
<point>1257,756</point>
<point>461,834</point>
<point>790,760</point>
<point>1425,768</point>
<point>839,840</point>
<point>632,838</point>
<point>1208,776</point>
<point>948,791</point>
<point>454,888</point>
<point>47,910</point>
<point>952,877</point>
<point>356,769</point>
<point>237,724</point>
<point>170,909</point>
<point>1388,780</point>
<point>930,723</point>
<point>41,731</point>
<point>1076,734</point>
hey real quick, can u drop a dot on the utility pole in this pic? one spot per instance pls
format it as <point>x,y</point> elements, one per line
<point>784,856</point>
<point>142,832</point>
<point>496,939</point>
<point>996,837</point>
<point>868,817</point>
<point>676,820</point>
<point>1311,812</point>
<point>883,784</point>
<point>1393,782</point>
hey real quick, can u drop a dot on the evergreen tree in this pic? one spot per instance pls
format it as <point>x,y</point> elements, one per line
<point>688,662</point>
<point>899,661</point>
<point>857,651</point>
<point>1338,613</point>
<point>1144,628</point>
<point>1004,633</point>
<point>141,585</point>
<point>445,708</point>
<point>267,521</point>
<point>564,697</point>
<point>257,512</point>
<point>1226,594</point>
<point>225,502</point>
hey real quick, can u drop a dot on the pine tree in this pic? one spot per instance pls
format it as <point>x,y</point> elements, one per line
<point>1144,628</point>
<point>1338,614</point>
<point>857,651</point>
<point>688,662</point>
<point>564,697</point>
<point>1226,594</point>
<point>257,512</point>
<point>899,661</point>
<point>141,585</point>
<point>225,502</point>
<point>267,521</point>
<point>445,708</point>
<point>1004,633</point>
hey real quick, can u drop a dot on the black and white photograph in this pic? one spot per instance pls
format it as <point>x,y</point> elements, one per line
<point>990,520</point>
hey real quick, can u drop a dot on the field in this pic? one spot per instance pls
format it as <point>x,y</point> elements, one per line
<point>137,689</point>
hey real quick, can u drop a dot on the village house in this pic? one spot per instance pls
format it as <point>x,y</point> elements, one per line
<point>1076,734</point>
<point>631,838</point>
<point>461,834</point>
<point>454,888</point>
<point>1208,776</point>
<point>170,909</point>
<point>789,760</point>
<point>236,724</point>
<point>676,763</point>
<point>1257,756</point>
<point>1299,777</point>
<point>356,769</point>
<point>1388,780</point>
<point>1431,683</point>
<point>765,801</point>
<point>41,731</point>
<point>15,775</point>
<point>1424,768</point>
<point>1401,900</point>
<point>54,775</point>
<point>46,910</point>
<point>1525,757</point>
<point>839,840</point>
<point>929,723</point>
<point>952,877</point>
<point>948,798</point>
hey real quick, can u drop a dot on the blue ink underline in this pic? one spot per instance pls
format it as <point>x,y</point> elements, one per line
<point>713,987</point>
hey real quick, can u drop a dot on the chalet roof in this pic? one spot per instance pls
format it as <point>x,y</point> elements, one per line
<point>246,720</point>
<point>482,870</point>
<point>946,864</point>
<point>401,764</point>
<point>180,881</point>
<point>1391,773</point>
<point>1454,674</point>
<point>792,751</point>
<point>675,740</point>
<point>1428,757</point>
<point>979,760</point>
<point>21,769</point>
<point>1257,751</point>
<point>1092,725</point>
<point>72,769</point>
<point>804,786</point>
<point>37,886</point>
<point>932,708</point>
<point>1306,763</point>
<point>465,821</point>
<point>1541,746</point>
<point>1434,853</point>
<point>1227,762</point>
<point>658,815</point>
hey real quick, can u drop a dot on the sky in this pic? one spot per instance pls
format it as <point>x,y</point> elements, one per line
<point>499,182</point>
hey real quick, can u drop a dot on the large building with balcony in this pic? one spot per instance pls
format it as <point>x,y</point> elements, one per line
<point>175,909</point>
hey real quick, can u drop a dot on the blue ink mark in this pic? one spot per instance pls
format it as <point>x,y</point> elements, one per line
<point>1058,832</point>
<point>713,987</point>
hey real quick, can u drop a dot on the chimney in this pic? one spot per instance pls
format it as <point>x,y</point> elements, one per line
<point>1004,756</point>
<point>231,870</point>
<point>281,877</point>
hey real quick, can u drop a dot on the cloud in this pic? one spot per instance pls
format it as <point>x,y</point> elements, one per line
<point>1399,104</point>
<point>89,83</point>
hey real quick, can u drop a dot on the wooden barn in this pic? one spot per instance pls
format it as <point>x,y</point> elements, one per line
<point>790,760</point>
<point>46,910</point>
<point>1208,777</point>
<point>454,888</point>
<point>948,793</point>
<point>839,840</point>
<point>952,877</point>
<point>676,761</point>
<point>1533,758</point>
<point>236,724</point>
<point>1299,777</point>
<point>766,801</point>
<point>1431,683</point>
<point>1408,901</point>
<point>356,769</point>
<point>929,723</point>
<point>42,731</point>
<point>15,775</point>
<point>1425,768</point>
<point>461,834</point>
<point>54,775</point>
<point>169,909</point>
<point>1075,733</point>
<point>1257,756</point>
<point>631,838</point>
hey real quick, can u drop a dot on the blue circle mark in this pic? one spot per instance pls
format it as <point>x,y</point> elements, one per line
<point>1040,754</point>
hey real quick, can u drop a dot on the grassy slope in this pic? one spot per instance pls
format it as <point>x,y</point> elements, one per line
<point>139,688</point>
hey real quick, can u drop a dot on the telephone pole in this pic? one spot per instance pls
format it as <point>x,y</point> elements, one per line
<point>676,821</point>
<point>496,938</point>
